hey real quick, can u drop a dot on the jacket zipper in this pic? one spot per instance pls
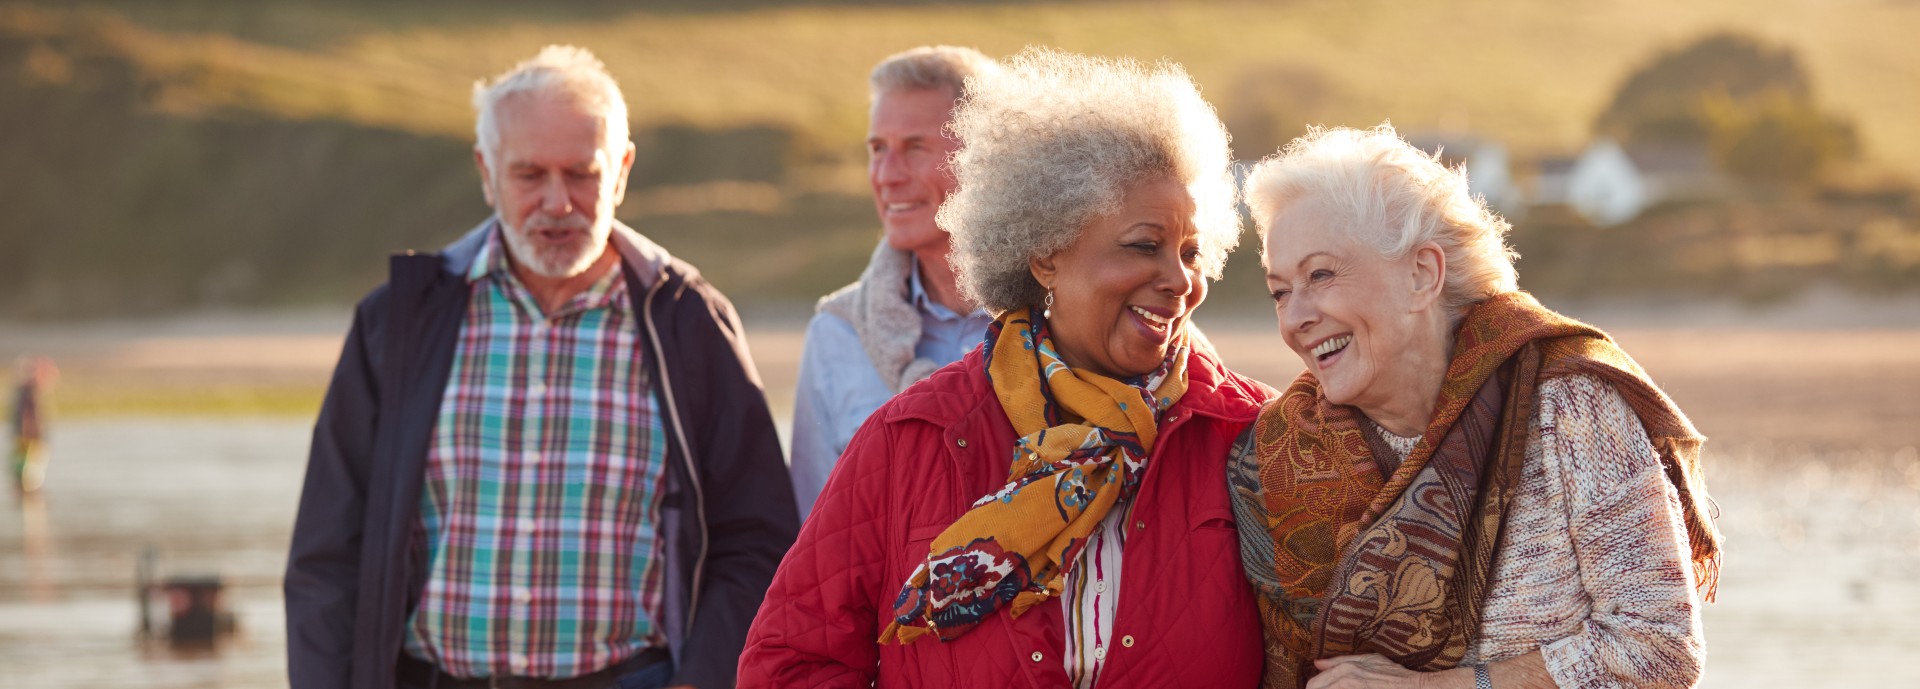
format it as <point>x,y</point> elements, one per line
<point>686,450</point>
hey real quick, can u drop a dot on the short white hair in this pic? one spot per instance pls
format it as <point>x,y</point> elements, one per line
<point>1389,195</point>
<point>1054,141</point>
<point>561,70</point>
<point>928,68</point>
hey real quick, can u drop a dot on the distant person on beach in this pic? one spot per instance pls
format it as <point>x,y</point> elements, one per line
<point>34,377</point>
<point>545,459</point>
<point>906,316</point>
<point>1464,488</point>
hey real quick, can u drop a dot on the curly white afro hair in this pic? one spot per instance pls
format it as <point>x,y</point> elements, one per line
<point>1053,141</point>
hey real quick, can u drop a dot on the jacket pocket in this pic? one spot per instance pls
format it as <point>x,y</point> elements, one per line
<point>1213,519</point>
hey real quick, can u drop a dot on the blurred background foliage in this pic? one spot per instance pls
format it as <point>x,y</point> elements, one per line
<point>1750,102</point>
<point>195,154</point>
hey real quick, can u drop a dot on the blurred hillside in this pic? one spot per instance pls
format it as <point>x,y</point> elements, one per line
<point>199,153</point>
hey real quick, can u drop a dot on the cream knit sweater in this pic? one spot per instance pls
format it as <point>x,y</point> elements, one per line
<point>1593,569</point>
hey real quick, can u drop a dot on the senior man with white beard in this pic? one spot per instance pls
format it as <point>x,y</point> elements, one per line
<point>545,459</point>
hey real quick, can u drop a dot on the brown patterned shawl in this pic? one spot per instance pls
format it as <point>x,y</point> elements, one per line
<point>1356,561</point>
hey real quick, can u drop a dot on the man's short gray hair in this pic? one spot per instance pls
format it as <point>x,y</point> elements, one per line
<point>1391,196</point>
<point>927,68</point>
<point>1053,142</point>
<point>558,70</point>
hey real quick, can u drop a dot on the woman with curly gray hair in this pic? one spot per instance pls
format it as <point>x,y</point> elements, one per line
<point>1048,508</point>
<point>1464,489</point>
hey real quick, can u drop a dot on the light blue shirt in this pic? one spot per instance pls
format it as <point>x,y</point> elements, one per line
<point>839,387</point>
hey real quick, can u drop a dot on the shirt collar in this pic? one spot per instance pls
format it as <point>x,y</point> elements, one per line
<point>492,257</point>
<point>917,292</point>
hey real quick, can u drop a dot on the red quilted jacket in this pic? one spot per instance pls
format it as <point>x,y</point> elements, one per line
<point>1186,616</point>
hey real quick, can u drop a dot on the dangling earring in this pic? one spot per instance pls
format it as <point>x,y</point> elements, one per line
<point>1048,313</point>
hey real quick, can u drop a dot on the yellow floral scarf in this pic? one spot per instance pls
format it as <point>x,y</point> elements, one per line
<point>1084,442</point>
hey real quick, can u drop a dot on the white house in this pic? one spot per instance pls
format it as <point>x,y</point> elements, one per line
<point>1609,184</point>
<point>1605,187</point>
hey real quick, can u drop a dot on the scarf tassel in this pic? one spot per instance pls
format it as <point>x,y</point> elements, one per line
<point>902,635</point>
<point>1028,599</point>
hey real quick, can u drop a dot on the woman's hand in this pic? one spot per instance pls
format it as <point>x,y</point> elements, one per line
<point>1371,671</point>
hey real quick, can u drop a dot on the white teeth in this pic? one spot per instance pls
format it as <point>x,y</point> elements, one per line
<point>1331,346</point>
<point>1151,318</point>
<point>896,207</point>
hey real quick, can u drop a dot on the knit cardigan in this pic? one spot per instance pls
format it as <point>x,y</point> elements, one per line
<point>1594,566</point>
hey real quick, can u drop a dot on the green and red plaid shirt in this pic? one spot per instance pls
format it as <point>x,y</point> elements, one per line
<point>541,506</point>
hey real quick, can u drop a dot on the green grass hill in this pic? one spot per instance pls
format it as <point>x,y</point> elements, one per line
<point>199,153</point>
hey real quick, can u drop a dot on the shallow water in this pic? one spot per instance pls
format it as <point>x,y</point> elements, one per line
<point>211,496</point>
<point>1820,587</point>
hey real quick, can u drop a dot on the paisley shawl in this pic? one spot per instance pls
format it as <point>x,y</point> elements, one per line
<point>1363,561</point>
<point>1084,443</point>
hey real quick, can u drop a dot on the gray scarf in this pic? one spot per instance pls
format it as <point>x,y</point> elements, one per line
<point>880,307</point>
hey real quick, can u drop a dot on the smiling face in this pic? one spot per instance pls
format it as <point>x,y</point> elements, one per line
<point>553,183</point>
<point>1126,286</point>
<point>907,150</point>
<point>1370,329</point>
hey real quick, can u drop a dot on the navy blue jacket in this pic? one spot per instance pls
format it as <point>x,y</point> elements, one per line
<point>727,511</point>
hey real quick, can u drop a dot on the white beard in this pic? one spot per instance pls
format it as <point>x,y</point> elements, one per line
<point>557,262</point>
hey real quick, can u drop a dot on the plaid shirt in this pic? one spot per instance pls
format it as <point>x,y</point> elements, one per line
<point>541,506</point>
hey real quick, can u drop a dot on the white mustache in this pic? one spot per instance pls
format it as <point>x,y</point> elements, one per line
<point>539,223</point>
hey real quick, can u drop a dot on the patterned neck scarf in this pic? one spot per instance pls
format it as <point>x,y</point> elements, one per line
<point>1084,442</point>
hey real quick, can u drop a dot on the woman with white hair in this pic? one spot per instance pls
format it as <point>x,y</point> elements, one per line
<point>1463,489</point>
<point>1046,511</point>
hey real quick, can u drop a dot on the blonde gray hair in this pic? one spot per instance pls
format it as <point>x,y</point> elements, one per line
<point>1053,141</point>
<point>928,68</point>
<point>562,70</point>
<point>1391,196</point>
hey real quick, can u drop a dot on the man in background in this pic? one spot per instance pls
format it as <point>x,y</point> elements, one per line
<point>905,317</point>
<point>545,459</point>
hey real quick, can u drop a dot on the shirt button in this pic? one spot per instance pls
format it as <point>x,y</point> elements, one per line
<point>519,661</point>
<point>1037,657</point>
<point>1127,641</point>
<point>522,595</point>
<point>537,388</point>
<point>1099,653</point>
<point>1100,586</point>
<point>526,526</point>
